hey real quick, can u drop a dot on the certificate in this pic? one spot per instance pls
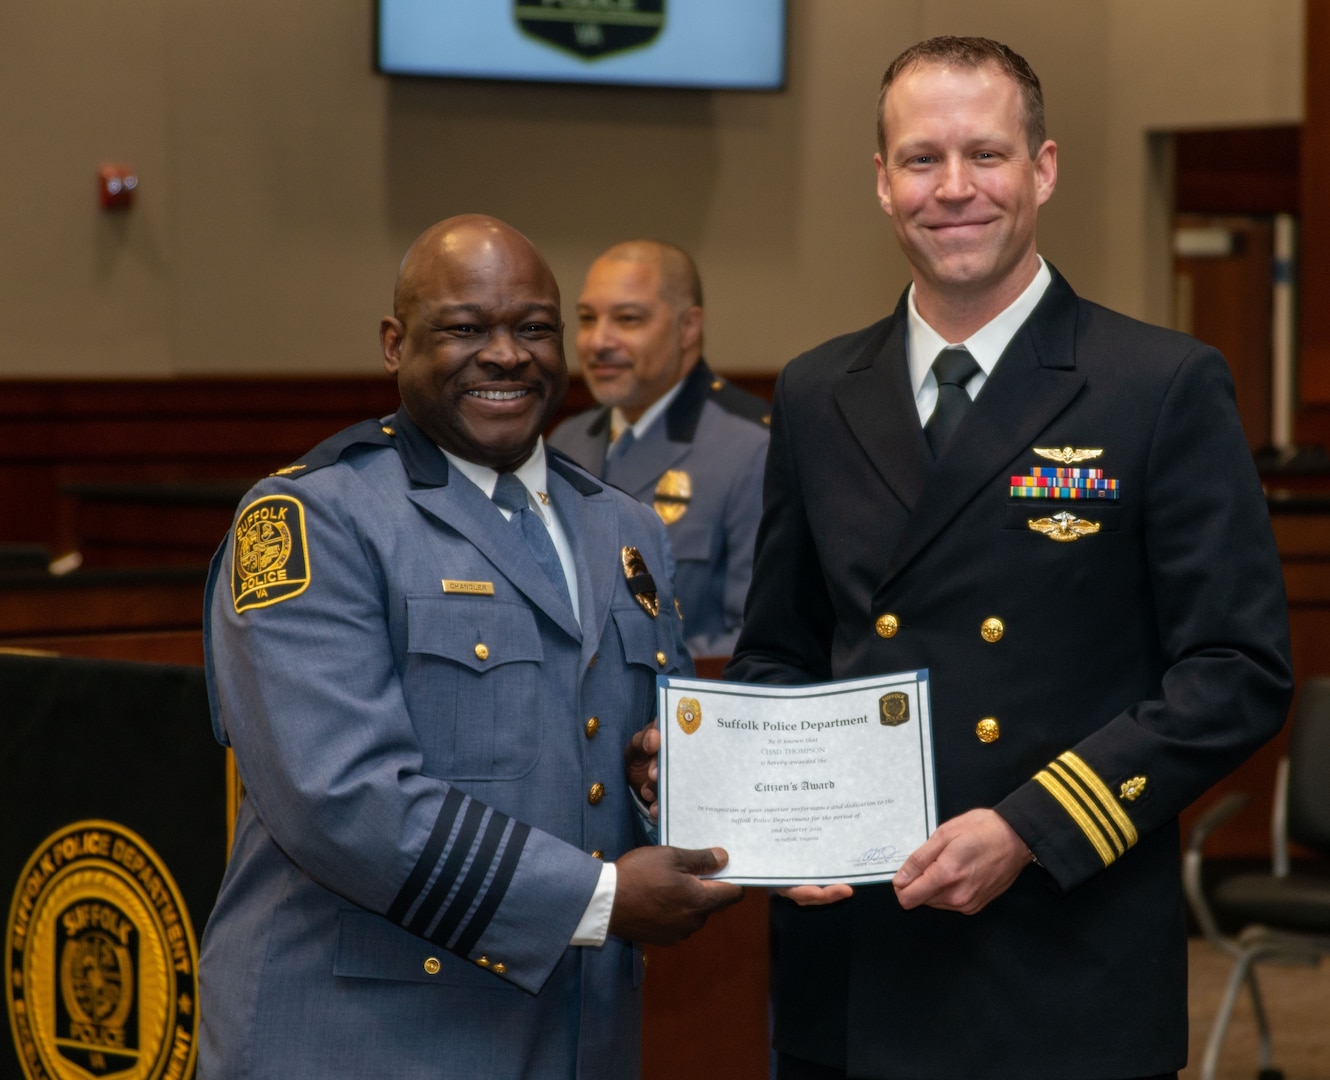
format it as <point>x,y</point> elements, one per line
<point>802,785</point>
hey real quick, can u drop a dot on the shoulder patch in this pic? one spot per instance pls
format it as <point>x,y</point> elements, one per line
<point>269,556</point>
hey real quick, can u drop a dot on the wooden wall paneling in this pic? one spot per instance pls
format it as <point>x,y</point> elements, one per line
<point>1314,246</point>
<point>1229,304</point>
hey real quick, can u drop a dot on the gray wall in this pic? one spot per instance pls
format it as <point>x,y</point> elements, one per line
<point>281,179</point>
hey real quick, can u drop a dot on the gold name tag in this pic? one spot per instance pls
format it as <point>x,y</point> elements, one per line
<point>475,588</point>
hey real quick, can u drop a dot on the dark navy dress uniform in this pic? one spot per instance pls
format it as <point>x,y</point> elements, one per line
<point>1097,662</point>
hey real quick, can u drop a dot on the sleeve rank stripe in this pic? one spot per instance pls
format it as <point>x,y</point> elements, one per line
<point>481,865</point>
<point>1077,814</point>
<point>1058,769</point>
<point>494,895</point>
<point>429,858</point>
<point>1103,795</point>
<point>452,866</point>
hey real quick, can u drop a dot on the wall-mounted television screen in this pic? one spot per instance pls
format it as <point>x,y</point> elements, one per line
<point>714,44</point>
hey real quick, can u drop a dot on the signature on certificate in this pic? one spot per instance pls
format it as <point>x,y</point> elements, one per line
<point>875,856</point>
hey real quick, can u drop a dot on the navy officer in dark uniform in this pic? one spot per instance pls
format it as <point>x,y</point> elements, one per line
<point>1053,509</point>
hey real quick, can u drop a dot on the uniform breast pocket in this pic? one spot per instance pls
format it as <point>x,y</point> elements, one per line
<point>472,685</point>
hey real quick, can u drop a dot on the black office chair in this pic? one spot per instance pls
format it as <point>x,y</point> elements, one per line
<point>1284,915</point>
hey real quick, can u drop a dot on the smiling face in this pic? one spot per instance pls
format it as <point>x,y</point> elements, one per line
<point>476,340</point>
<point>638,330</point>
<point>963,189</point>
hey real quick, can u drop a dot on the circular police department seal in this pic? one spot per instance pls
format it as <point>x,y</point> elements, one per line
<point>102,976</point>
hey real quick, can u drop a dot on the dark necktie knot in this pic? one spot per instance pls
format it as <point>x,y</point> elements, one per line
<point>953,368</point>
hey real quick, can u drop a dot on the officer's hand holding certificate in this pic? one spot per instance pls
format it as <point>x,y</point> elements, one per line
<point>801,785</point>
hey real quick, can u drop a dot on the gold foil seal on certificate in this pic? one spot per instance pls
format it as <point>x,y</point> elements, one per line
<point>893,709</point>
<point>689,714</point>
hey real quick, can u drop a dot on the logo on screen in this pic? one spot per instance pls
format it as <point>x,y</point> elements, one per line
<point>591,28</point>
<point>102,973</point>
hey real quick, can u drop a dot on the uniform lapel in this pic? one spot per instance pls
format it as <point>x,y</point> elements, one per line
<point>455,502</point>
<point>587,514</point>
<point>467,510</point>
<point>644,461</point>
<point>1033,382</point>
<point>875,398</point>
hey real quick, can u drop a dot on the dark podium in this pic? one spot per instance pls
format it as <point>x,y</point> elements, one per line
<point>114,802</point>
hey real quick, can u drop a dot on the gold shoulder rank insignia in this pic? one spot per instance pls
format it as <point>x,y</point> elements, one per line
<point>673,493</point>
<point>1067,455</point>
<point>287,470</point>
<point>689,714</point>
<point>640,582</point>
<point>388,431</point>
<point>1063,527</point>
<point>1133,789</point>
<point>269,557</point>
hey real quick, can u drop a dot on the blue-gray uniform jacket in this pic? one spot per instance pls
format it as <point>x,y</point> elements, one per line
<point>432,751</point>
<point>700,466</point>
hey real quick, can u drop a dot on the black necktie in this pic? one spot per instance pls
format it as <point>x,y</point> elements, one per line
<point>953,369</point>
<point>510,493</point>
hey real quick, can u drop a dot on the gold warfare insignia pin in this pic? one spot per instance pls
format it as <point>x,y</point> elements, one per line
<point>102,977</point>
<point>269,557</point>
<point>893,709</point>
<point>640,582</point>
<point>1067,455</point>
<point>673,493</point>
<point>689,714</point>
<point>1133,789</point>
<point>1063,527</point>
<point>591,28</point>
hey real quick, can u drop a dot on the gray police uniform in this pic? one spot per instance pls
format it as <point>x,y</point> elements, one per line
<point>700,466</point>
<point>432,750</point>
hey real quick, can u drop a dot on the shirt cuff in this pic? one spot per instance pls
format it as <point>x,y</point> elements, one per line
<point>595,924</point>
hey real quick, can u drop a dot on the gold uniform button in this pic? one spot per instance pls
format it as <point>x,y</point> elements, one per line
<point>661,658</point>
<point>992,629</point>
<point>482,652</point>
<point>500,968</point>
<point>483,961</point>
<point>887,625</point>
<point>598,855</point>
<point>596,793</point>
<point>987,729</point>
<point>592,726</point>
<point>432,966</point>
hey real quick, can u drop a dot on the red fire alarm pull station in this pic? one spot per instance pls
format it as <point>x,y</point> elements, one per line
<point>116,185</point>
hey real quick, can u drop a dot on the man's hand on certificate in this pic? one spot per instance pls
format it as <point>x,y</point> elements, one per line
<point>639,760</point>
<point>969,861</point>
<point>659,898</point>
